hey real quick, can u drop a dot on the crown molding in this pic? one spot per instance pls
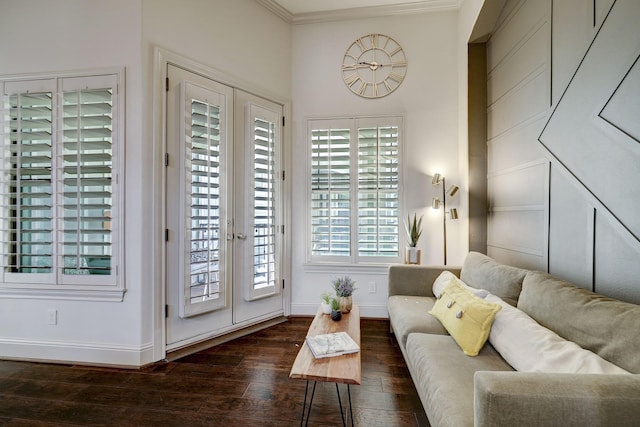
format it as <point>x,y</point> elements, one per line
<point>277,10</point>
<point>361,12</point>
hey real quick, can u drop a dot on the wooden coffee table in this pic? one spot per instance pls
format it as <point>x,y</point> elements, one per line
<point>345,369</point>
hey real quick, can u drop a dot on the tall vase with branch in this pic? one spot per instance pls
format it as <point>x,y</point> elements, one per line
<point>414,231</point>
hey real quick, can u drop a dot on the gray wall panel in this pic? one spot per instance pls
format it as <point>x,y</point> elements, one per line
<point>617,263</point>
<point>517,103</point>
<point>571,231</point>
<point>584,225</point>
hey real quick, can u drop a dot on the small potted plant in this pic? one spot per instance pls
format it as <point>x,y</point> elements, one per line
<point>336,314</point>
<point>326,302</point>
<point>414,231</point>
<point>344,288</point>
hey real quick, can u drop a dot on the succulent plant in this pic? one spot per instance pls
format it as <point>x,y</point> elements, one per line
<point>326,297</point>
<point>413,229</point>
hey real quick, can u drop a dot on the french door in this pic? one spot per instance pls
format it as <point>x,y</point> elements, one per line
<point>223,208</point>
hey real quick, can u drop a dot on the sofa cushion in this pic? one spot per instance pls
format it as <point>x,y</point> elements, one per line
<point>443,376</point>
<point>410,314</point>
<point>480,271</point>
<point>530,347</point>
<point>465,316</point>
<point>446,276</point>
<point>608,327</point>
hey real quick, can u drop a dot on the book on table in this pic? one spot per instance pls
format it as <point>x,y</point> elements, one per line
<point>334,344</point>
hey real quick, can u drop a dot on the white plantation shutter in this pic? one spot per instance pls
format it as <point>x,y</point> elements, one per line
<point>85,176</point>
<point>354,187</point>
<point>58,168</point>
<point>205,140</point>
<point>378,191</point>
<point>27,200</point>
<point>330,190</point>
<point>265,194</point>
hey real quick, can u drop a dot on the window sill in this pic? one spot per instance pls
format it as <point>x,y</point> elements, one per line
<point>58,293</point>
<point>316,267</point>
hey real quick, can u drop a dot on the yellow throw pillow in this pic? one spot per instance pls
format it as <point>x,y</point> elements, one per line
<point>466,317</point>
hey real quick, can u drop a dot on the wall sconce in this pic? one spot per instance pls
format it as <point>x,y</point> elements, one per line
<point>436,202</point>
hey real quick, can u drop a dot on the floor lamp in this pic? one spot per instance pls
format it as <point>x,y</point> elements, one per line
<point>436,202</point>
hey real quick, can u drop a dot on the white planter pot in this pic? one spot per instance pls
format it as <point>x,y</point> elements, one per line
<point>326,308</point>
<point>412,255</point>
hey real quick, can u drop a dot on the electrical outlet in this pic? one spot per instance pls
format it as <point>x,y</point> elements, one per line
<point>372,287</point>
<point>52,316</point>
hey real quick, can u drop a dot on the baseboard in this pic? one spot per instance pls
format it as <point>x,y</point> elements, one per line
<point>370,311</point>
<point>77,353</point>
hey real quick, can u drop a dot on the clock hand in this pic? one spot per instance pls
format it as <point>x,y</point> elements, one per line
<point>373,65</point>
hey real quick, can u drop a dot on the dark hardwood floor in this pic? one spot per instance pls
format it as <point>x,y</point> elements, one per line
<point>244,382</point>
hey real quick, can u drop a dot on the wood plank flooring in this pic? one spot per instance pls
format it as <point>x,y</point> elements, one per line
<point>244,382</point>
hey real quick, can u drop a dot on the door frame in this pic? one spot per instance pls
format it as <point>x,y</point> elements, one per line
<point>161,59</point>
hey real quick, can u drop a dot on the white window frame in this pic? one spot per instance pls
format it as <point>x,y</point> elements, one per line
<point>55,285</point>
<point>353,124</point>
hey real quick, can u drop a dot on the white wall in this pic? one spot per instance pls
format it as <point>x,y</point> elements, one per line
<point>44,36</point>
<point>242,43</point>
<point>301,63</point>
<point>241,38</point>
<point>428,98</point>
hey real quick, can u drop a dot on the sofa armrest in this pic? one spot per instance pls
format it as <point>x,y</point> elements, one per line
<point>417,280</point>
<point>514,398</point>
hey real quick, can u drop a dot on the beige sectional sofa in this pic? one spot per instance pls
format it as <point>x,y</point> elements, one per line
<point>486,390</point>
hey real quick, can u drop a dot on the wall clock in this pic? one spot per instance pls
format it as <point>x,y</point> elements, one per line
<point>374,66</point>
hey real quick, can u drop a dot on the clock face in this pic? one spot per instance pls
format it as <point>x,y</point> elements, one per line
<point>374,66</point>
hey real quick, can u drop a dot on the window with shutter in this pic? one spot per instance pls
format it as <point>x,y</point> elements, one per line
<point>58,183</point>
<point>204,143</point>
<point>354,190</point>
<point>264,213</point>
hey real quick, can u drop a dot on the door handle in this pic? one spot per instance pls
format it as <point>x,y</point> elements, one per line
<point>241,236</point>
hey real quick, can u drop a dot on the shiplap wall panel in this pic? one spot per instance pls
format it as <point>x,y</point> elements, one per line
<point>514,146</point>
<point>517,216</point>
<point>602,8</point>
<point>573,29</point>
<point>571,232</point>
<point>528,56</point>
<point>586,231</point>
<point>617,268</point>
<point>518,231</point>
<point>525,101</point>
<point>518,63</point>
<point>623,108</point>
<point>516,23</point>
<point>506,187</point>
<point>511,257</point>
<point>594,147</point>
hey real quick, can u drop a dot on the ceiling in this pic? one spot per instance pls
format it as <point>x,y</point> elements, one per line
<point>307,6</point>
<point>306,11</point>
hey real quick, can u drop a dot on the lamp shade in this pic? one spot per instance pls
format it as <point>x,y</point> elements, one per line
<point>453,190</point>
<point>436,179</point>
<point>454,213</point>
<point>435,203</point>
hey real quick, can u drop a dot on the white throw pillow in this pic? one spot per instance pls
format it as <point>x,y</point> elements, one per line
<point>445,277</point>
<point>530,347</point>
